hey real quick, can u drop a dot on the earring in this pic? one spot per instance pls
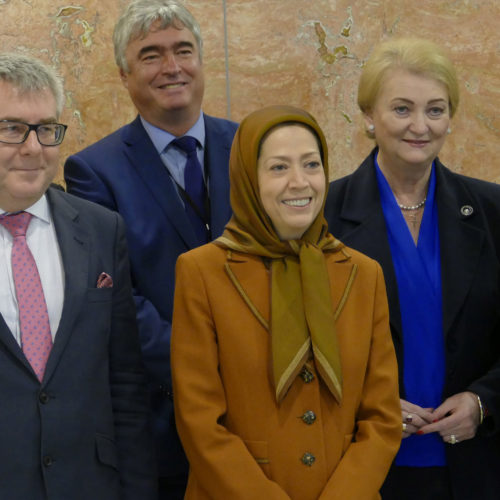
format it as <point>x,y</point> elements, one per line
<point>449,130</point>
<point>371,128</point>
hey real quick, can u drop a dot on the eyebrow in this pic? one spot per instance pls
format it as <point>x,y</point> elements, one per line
<point>404,99</point>
<point>286,157</point>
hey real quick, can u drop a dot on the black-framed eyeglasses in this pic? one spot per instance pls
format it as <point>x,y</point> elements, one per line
<point>48,134</point>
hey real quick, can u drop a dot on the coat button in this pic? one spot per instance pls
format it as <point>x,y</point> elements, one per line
<point>308,459</point>
<point>309,417</point>
<point>47,461</point>
<point>307,376</point>
<point>43,397</point>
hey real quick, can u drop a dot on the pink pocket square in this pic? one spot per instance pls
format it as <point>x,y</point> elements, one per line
<point>104,281</point>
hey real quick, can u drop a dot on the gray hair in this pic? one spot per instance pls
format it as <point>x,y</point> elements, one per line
<point>139,15</point>
<point>28,74</point>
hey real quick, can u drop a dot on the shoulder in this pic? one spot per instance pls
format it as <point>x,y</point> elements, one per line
<point>484,192</point>
<point>204,255</point>
<point>92,213</point>
<point>110,144</point>
<point>361,173</point>
<point>220,124</point>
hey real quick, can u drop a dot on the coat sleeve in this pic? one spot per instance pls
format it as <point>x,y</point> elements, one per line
<point>128,386</point>
<point>221,465</point>
<point>365,464</point>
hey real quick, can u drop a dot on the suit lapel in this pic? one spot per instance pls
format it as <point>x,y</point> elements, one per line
<point>460,244</point>
<point>217,148</point>
<point>146,160</point>
<point>12,346</point>
<point>75,253</point>
<point>363,210</point>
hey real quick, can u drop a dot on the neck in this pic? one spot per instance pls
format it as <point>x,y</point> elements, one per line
<point>176,122</point>
<point>409,183</point>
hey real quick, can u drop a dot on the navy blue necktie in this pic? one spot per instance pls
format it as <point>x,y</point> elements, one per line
<point>194,186</point>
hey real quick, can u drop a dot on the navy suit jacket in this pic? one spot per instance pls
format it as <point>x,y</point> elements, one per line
<point>124,172</point>
<point>83,432</point>
<point>469,232</point>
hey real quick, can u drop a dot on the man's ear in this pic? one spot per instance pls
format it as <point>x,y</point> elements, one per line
<point>124,78</point>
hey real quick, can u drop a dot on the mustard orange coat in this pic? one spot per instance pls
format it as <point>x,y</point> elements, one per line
<point>240,443</point>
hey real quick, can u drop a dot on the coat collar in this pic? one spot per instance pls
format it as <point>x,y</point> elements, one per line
<point>460,239</point>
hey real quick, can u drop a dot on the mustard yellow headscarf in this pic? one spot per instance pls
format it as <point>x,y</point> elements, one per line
<point>301,307</point>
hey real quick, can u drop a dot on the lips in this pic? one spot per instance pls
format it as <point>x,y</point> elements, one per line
<point>415,142</point>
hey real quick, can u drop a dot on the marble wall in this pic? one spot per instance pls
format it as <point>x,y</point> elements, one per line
<point>258,52</point>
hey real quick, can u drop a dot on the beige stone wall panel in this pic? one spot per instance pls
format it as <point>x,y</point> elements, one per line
<point>303,52</point>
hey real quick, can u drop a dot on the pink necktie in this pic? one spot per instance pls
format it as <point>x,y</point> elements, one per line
<point>36,339</point>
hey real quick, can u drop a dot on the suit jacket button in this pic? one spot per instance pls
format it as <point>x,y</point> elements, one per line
<point>43,397</point>
<point>309,417</point>
<point>308,459</point>
<point>47,461</point>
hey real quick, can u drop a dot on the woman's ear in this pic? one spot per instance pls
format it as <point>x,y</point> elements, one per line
<point>369,125</point>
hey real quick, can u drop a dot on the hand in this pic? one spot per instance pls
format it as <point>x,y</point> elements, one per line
<point>457,416</point>
<point>414,417</point>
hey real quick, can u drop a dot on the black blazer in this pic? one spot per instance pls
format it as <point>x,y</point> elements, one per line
<point>83,432</point>
<point>469,230</point>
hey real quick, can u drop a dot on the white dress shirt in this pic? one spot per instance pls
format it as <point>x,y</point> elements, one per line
<point>42,241</point>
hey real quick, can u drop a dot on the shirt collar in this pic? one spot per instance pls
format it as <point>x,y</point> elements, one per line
<point>161,138</point>
<point>39,209</point>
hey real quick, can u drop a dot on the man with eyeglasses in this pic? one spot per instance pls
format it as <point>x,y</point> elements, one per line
<point>73,409</point>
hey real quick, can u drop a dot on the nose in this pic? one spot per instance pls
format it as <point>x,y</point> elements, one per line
<point>297,177</point>
<point>419,124</point>
<point>170,64</point>
<point>31,145</point>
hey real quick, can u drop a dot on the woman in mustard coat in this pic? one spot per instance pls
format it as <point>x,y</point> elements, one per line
<point>285,378</point>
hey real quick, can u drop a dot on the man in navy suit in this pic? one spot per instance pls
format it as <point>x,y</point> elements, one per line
<point>73,412</point>
<point>139,172</point>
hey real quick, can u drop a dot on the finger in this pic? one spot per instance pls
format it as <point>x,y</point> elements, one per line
<point>412,413</point>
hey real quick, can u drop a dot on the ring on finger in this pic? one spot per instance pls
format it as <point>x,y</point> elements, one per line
<point>409,418</point>
<point>453,439</point>
<point>404,427</point>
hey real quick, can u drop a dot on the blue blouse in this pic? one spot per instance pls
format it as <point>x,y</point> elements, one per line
<point>418,275</point>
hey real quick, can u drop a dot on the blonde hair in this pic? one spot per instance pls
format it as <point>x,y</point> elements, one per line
<point>415,55</point>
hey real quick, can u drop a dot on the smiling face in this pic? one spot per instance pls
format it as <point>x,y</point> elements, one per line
<point>411,118</point>
<point>26,169</point>
<point>165,78</point>
<point>291,179</point>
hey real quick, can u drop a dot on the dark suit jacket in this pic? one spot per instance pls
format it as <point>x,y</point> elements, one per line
<point>125,173</point>
<point>81,433</point>
<point>470,268</point>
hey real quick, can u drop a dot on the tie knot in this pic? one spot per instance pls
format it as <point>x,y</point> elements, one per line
<point>16,224</point>
<point>186,143</point>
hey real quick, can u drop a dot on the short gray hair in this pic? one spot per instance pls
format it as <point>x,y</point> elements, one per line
<point>139,15</point>
<point>28,74</point>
